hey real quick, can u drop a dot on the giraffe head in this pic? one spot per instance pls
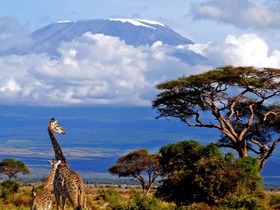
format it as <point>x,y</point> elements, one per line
<point>54,163</point>
<point>55,127</point>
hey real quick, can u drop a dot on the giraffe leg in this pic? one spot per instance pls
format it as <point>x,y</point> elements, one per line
<point>63,202</point>
<point>57,199</point>
<point>75,203</point>
<point>83,200</point>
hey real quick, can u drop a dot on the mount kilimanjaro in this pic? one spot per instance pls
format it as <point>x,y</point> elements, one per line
<point>133,32</point>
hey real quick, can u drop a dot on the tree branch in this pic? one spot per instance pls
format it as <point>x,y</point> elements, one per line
<point>269,153</point>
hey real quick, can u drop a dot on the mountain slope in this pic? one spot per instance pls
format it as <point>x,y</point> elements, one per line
<point>132,31</point>
<point>145,32</point>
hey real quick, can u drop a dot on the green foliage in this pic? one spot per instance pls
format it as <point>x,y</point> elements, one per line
<point>12,167</point>
<point>249,193</point>
<point>113,197</point>
<point>9,187</point>
<point>134,201</point>
<point>14,197</point>
<point>195,173</point>
<point>244,201</point>
<point>140,201</point>
<point>135,164</point>
<point>249,171</point>
<point>274,201</point>
<point>240,102</point>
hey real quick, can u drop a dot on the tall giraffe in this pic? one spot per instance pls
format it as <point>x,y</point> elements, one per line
<point>43,200</point>
<point>67,183</point>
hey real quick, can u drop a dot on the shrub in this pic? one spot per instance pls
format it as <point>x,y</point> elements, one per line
<point>274,201</point>
<point>195,173</point>
<point>249,193</point>
<point>113,197</point>
<point>9,187</point>
<point>242,202</point>
<point>140,201</point>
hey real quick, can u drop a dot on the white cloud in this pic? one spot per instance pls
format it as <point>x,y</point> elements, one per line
<point>245,50</point>
<point>94,69</point>
<point>99,69</point>
<point>241,13</point>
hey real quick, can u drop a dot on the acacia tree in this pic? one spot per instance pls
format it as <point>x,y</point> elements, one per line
<point>241,101</point>
<point>136,164</point>
<point>12,167</point>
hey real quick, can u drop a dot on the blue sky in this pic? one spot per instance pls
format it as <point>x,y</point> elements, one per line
<point>238,32</point>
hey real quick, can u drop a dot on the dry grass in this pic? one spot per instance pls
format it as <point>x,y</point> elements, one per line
<point>21,200</point>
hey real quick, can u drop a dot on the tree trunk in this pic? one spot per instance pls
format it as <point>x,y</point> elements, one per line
<point>149,187</point>
<point>241,148</point>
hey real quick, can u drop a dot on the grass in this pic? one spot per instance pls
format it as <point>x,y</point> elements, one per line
<point>97,196</point>
<point>118,197</point>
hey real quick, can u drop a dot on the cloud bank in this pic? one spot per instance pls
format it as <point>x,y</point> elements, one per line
<point>245,50</point>
<point>102,70</point>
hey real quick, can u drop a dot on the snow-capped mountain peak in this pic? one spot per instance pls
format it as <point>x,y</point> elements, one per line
<point>139,22</point>
<point>134,32</point>
<point>65,21</point>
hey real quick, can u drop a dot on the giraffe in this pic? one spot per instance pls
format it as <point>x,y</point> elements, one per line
<point>43,200</point>
<point>67,183</point>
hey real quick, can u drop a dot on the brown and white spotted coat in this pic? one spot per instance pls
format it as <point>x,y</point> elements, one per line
<point>43,201</point>
<point>67,183</point>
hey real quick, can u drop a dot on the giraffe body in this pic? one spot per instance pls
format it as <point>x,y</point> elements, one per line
<point>67,183</point>
<point>43,200</point>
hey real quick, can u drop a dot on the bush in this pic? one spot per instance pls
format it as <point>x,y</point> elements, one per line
<point>134,200</point>
<point>274,201</point>
<point>194,173</point>
<point>9,187</point>
<point>114,199</point>
<point>242,202</point>
<point>249,193</point>
<point>140,201</point>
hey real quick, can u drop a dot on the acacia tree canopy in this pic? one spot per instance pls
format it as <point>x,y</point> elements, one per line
<point>12,167</point>
<point>135,164</point>
<point>241,100</point>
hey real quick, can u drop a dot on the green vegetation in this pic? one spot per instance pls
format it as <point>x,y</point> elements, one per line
<point>9,187</point>
<point>136,164</point>
<point>13,196</point>
<point>133,199</point>
<point>12,167</point>
<point>193,176</point>
<point>193,173</point>
<point>241,101</point>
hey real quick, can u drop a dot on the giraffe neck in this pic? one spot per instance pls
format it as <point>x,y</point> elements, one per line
<point>56,147</point>
<point>48,186</point>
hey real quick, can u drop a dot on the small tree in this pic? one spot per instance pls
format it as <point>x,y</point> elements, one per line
<point>241,102</point>
<point>12,167</point>
<point>136,164</point>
